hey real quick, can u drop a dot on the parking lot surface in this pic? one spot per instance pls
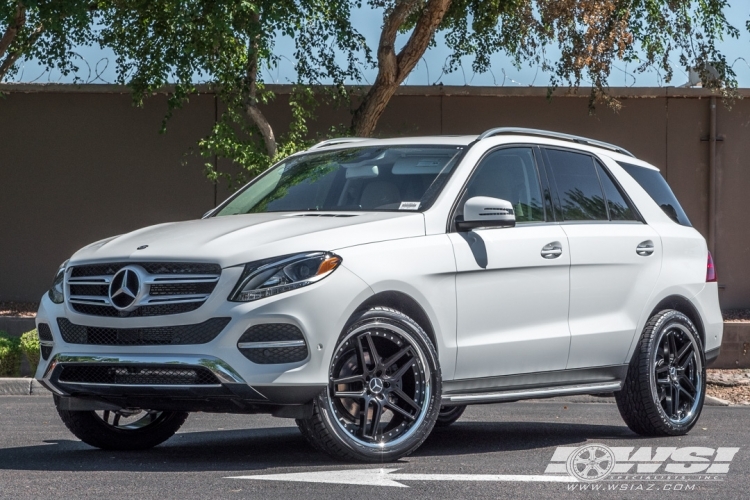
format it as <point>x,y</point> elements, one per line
<point>513,450</point>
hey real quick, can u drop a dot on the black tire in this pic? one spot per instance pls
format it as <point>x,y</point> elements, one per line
<point>92,429</point>
<point>667,366</point>
<point>449,414</point>
<point>404,366</point>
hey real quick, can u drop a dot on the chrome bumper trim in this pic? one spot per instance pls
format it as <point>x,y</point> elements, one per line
<point>271,345</point>
<point>225,373</point>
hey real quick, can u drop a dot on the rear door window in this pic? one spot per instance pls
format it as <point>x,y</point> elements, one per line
<point>656,186</point>
<point>578,186</point>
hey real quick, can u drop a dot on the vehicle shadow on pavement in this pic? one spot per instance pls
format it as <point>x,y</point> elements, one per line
<point>284,447</point>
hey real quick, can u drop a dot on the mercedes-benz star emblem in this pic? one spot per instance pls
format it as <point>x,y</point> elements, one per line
<point>124,288</point>
<point>376,386</point>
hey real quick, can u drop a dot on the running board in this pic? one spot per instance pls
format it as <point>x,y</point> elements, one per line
<point>550,392</point>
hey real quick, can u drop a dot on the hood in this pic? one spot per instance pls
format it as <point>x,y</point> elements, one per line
<point>237,239</point>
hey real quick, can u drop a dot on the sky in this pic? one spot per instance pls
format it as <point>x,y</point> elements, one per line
<point>97,65</point>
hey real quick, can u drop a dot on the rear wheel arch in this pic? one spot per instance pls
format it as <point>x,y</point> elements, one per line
<point>683,305</point>
<point>403,303</point>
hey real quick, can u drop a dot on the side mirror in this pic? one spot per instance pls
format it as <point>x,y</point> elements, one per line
<point>483,211</point>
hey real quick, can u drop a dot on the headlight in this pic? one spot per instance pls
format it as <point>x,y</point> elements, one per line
<point>281,274</point>
<point>57,293</point>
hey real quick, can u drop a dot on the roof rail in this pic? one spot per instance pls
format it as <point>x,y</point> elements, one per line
<point>338,140</point>
<point>553,135</point>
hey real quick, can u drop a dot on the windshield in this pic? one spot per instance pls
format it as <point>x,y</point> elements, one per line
<point>354,179</point>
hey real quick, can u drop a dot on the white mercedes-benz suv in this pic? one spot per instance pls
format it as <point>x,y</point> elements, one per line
<point>371,289</point>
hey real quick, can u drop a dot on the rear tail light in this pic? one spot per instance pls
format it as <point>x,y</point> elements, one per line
<point>710,270</point>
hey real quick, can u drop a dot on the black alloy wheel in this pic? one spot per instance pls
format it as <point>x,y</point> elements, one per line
<point>678,377</point>
<point>665,387</point>
<point>383,394</point>
<point>126,429</point>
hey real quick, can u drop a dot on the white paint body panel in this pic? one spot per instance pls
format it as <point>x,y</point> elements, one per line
<point>609,286</point>
<point>512,302</point>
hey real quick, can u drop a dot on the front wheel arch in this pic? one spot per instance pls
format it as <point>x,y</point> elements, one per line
<point>403,303</point>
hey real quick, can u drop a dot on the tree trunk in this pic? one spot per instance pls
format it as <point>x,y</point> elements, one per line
<point>10,34</point>
<point>392,68</point>
<point>252,111</point>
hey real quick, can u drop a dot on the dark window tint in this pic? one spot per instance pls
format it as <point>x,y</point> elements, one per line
<point>578,185</point>
<point>510,174</point>
<point>619,208</point>
<point>655,185</point>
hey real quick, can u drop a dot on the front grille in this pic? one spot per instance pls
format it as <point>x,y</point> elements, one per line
<point>273,332</point>
<point>137,375</point>
<point>169,288</point>
<point>155,310</point>
<point>44,332</point>
<point>150,267</point>
<point>200,333</point>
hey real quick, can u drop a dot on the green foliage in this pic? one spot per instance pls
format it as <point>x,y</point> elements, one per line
<point>10,356</point>
<point>46,30</point>
<point>593,35</point>
<point>228,44</point>
<point>30,347</point>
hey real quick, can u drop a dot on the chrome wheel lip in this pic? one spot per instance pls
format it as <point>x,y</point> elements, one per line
<point>699,385</point>
<point>372,325</point>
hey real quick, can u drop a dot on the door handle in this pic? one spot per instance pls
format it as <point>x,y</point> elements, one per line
<point>645,249</point>
<point>552,250</point>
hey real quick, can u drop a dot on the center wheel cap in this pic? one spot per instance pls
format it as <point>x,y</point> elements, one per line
<point>376,386</point>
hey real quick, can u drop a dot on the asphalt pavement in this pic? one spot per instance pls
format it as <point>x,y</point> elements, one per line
<point>493,451</point>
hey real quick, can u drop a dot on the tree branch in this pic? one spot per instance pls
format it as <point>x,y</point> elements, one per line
<point>394,68</point>
<point>13,56</point>
<point>12,30</point>
<point>251,104</point>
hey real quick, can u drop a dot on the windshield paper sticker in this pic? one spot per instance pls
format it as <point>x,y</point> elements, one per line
<point>409,205</point>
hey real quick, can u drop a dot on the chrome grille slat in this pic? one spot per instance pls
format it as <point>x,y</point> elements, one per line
<point>174,299</point>
<point>176,285</point>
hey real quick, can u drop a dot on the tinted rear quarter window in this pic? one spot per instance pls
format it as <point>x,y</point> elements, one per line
<point>656,186</point>
<point>619,208</point>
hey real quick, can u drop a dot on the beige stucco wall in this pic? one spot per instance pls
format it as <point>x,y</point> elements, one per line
<point>79,164</point>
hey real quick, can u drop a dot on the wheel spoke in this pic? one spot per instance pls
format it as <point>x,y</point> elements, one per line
<point>675,402</point>
<point>361,356</point>
<point>685,349</point>
<point>400,411</point>
<point>105,417</point>
<point>373,352</point>
<point>406,399</point>
<point>377,413</point>
<point>116,420</point>
<point>402,370</point>
<point>349,394</point>
<point>672,345</point>
<point>664,381</point>
<point>688,383</point>
<point>662,368</point>
<point>349,380</point>
<point>388,362</point>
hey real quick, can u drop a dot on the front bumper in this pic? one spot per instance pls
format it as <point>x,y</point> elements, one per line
<point>320,311</point>
<point>227,392</point>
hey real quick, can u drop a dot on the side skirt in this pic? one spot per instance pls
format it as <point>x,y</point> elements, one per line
<point>506,388</point>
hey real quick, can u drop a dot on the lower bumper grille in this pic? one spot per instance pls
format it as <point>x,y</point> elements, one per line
<point>200,333</point>
<point>137,375</point>
<point>273,343</point>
